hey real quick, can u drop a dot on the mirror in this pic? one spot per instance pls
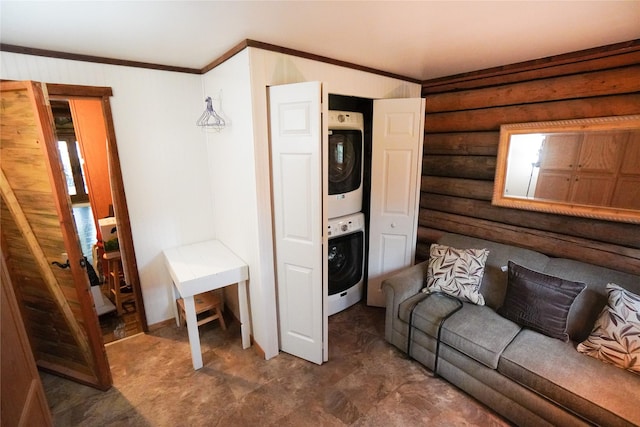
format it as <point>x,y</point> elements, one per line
<point>587,167</point>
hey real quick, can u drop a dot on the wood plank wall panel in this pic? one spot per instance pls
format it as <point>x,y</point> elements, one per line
<point>462,129</point>
<point>23,163</point>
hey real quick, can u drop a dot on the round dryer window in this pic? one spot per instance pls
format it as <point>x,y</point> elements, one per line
<point>345,159</point>
<point>345,262</point>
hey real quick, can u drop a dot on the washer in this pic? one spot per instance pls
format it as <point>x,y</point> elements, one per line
<point>346,237</point>
<point>345,163</point>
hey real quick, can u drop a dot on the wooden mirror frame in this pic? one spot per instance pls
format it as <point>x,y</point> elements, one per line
<point>562,208</point>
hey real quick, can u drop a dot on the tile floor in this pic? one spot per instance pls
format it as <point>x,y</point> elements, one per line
<point>366,382</point>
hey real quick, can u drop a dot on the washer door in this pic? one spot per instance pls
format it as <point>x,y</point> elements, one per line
<point>345,261</point>
<point>345,161</point>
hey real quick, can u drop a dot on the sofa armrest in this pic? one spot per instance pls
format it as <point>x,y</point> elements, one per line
<point>398,288</point>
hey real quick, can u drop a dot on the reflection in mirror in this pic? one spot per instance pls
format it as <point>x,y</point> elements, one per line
<point>523,165</point>
<point>585,167</point>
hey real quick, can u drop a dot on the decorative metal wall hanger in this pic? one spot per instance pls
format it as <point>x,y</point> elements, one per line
<point>209,118</point>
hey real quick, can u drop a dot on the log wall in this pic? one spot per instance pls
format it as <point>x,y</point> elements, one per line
<point>462,128</point>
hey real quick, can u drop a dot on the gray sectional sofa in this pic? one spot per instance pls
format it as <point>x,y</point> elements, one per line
<point>529,378</point>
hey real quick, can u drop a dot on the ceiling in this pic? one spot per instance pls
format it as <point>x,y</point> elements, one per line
<point>417,39</point>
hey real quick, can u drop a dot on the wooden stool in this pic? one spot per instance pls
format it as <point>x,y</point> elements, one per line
<point>208,301</point>
<point>118,289</point>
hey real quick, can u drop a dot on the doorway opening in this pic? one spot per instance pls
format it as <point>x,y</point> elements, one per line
<point>82,143</point>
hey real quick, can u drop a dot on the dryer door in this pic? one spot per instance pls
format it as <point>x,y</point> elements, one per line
<point>345,261</point>
<point>345,161</point>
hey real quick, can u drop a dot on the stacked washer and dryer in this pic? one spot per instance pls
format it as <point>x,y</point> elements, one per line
<point>346,226</point>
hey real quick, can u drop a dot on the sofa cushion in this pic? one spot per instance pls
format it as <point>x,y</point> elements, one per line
<point>494,280</point>
<point>615,337</point>
<point>457,272</point>
<point>538,301</point>
<point>589,304</point>
<point>477,331</point>
<point>431,309</point>
<point>554,369</point>
<point>480,333</point>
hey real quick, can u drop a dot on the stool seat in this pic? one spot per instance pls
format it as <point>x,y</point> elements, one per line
<point>205,302</point>
<point>118,289</point>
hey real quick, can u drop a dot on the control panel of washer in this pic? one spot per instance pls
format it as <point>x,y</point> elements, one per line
<point>344,119</point>
<point>347,225</point>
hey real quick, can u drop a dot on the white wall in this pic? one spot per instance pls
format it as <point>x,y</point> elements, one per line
<point>185,185</point>
<point>162,153</point>
<point>233,182</point>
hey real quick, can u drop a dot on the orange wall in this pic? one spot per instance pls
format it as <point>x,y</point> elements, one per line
<point>89,126</point>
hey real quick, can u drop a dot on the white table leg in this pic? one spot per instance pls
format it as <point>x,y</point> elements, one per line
<point>244,314</point>
<point>176,295</point>
<point>192,328</point>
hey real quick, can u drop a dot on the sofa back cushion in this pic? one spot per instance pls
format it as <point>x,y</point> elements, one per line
<point>615,337</point>
<point>494,281</point>
<point>456,272</point>
<point>538,301</point>
<point>588,305</point>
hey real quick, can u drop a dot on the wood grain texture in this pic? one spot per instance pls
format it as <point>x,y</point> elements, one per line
<point>37,228</point>
<point>491,118</point>
<point>23,399</point>
<point>462,126</point>
<point>605,231</point>
<point>586,85</point>
<point>554,244</point>
<point>462,143</point>
<point>599,58</point>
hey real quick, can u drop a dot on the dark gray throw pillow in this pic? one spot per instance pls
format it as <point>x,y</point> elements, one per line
<point>540,302</point>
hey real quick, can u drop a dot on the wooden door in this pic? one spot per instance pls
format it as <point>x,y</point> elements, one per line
<point>559,152</point>
<point>23,400</point>
<point>558,162</point>
<point>627,191</point>
<point>554,185</point>
<point>296,158</point>
<point>601,152</point>
<point>38,231</point>
<point>592,189</point>
<point>597,168</point>
<point>398,134</point>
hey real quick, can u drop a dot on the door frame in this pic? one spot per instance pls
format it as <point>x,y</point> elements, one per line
<point>121,210</point>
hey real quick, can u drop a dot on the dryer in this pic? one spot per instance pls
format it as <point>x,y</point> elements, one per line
<point>346,236</point>
<point>345,162</point>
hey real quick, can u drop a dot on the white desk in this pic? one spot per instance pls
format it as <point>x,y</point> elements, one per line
<point>202,267</point>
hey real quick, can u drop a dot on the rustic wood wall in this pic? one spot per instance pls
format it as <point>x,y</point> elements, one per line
<point>462,125</point>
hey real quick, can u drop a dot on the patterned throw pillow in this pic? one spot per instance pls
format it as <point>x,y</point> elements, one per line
<point>457,272</point>
<point>615,337</point>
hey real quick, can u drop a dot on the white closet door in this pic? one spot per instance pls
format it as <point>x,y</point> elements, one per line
<point>398,133</point>
<point>296,143</point>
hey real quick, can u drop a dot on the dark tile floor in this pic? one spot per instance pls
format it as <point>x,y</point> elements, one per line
<point>366,382</point>
<point>116,327</point>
